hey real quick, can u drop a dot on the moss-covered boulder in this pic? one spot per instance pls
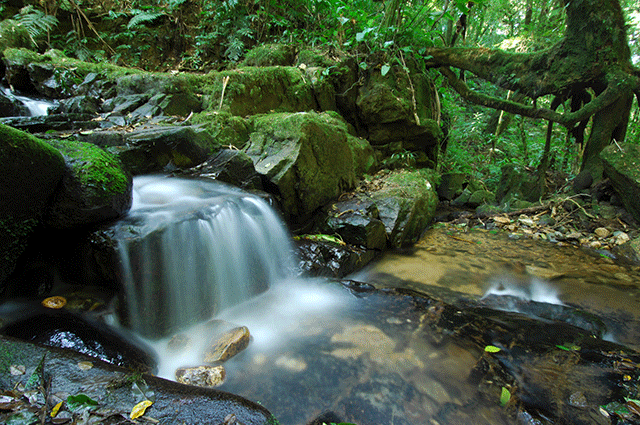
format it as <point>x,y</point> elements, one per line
<point>258,90</point>
<point>622,165</point>
<point>270,55</point>
<point>94,187</point>
<point>31,171</point>
<point>404,201</point>
<point>399,111</point>
<point>309,158</point>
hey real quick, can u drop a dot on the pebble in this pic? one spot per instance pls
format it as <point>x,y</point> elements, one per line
<point>602,232</point>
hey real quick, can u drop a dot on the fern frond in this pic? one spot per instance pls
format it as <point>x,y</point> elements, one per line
<point>35,21</point>
<point>143,17</point>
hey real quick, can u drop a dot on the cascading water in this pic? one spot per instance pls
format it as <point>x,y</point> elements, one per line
<point>191,248</point>
<point>35,107</point>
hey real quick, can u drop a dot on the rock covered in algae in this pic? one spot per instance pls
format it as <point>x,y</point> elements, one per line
<point>201,376</point>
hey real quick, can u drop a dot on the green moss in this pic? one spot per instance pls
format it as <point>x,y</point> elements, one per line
<point>13,35</point>
<point>270,55</point>
<point>94,168</point>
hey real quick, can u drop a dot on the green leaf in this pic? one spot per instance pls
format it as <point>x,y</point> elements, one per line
<point>385,69</point>
<point>492,349</point>
<point>505,396</point>
<point>80,401</point>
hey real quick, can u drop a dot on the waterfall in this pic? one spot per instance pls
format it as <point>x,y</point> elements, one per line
<point>191,248</point>
<point>36,107</point>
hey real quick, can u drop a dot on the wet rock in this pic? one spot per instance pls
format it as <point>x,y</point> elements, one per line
<point>57,122</point>
<point>201,376</point>
<point>61,329</point>
<point>320,258</point>
<point>227,345</point>
<point>179,342</point>
<point>229,166</point>
<point>357,222</point>
<point>111,387</point>
<point>11,107</point>
<point>31,172</point>
<point>620,166</point>
<point>94,187</point>
<point>164,148</point>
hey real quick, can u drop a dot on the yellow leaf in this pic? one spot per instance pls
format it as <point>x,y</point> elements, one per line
<point>492,349</point>
<point>139,409</point>
<point>56,409</point>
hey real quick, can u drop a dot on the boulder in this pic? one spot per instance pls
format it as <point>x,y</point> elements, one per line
<point>396,112</point>
<point>622,166</point>
<point>94,188</point>
<point>201,376</point>
<point>403,201</point>
<point>270,55</point>
<point>164,148</point>
<point>31,172</point>
<point>308,159</point>
<point>320,257</point>
<point>229,166</point>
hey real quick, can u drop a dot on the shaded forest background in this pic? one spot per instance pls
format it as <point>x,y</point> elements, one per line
<point>199,36</point>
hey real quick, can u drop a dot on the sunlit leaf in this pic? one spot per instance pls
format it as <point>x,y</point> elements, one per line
<point>385,69</point>
<point>56,409</point>
<point>139,409</point>
<point>505,396</point>
<point>492,349</point>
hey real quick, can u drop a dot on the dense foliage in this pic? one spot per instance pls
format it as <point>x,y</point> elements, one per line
<point>198,35</point>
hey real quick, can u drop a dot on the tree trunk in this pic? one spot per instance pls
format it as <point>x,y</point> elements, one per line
<point>593,54</point>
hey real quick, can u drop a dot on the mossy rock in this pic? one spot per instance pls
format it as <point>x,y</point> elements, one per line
<point>31,171</point>
<point>226,129</point>
<point>406,202</point>
<point>95,187</point>
<point>308,157</point>
<point>252,91</point>
<point>622,165</point>
<point>270,55</point>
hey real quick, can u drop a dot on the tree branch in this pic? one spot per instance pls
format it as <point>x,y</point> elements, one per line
<point>618,82</point>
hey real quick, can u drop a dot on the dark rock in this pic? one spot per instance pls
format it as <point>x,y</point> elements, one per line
<point>112,387</point>
<point>57,122</point>
<point>62,329</point>
<point>164,148</point>
<point>77,105</point>
<point>95,188</point>
<point>11,107</point>
<point>229,166</point>
<point>123,104</point>
<point>621,167</point>
<point>480,197</point>
<point>31,172</point>
<point>318,258</point>
<point>357,222</point>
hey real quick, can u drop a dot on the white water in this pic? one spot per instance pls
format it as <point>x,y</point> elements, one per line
<point>192,248</point>
<point>535,290</point>
<point>36,107</point>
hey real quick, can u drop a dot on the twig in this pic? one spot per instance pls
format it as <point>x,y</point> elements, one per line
<point>91,26</point>
<point>225,81</point>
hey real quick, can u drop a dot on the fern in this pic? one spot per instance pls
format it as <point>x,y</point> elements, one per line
<point>35,21</point>
<point>142,17</point>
